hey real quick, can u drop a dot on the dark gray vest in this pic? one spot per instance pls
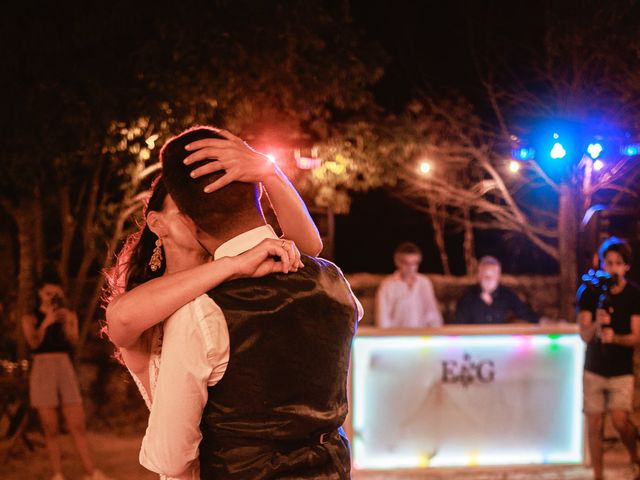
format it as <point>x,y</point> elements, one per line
<point>277,412</point>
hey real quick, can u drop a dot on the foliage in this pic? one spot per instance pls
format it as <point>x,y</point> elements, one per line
<point>95,91</point>
<point>583,76</point>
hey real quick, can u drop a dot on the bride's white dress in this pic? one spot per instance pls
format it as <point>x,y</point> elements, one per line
<point>154,371</point>
<point>154,365</point>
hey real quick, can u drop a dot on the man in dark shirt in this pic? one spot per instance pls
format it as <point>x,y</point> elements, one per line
<point>611,331</point>
<point>489,302</point>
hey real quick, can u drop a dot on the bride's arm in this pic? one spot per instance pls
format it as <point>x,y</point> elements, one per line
<point>133,312</point>
<point>293,216</point>
<point>244,164</point>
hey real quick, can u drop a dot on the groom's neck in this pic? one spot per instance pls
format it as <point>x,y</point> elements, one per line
<point>212,242</point>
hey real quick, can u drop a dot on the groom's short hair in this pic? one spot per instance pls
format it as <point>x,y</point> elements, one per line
<point>216,212</point>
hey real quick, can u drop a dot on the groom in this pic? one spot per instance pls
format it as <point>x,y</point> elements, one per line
<point>277,411</point>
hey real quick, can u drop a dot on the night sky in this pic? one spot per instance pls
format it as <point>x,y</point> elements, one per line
<point>432,48</point>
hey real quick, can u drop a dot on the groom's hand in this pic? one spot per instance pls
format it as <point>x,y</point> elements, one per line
<point>269,256</point>
<point>239,161</point>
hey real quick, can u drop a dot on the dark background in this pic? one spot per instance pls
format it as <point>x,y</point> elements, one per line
<point>433,47</point>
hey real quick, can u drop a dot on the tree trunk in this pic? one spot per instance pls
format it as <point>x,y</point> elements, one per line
<point>88,235</point>
<point>437,220</point>
<point>567,246</point>
<point>24,219</point>
<point>88,322</point>
<point>471,264</point>
<point>330,245</point>
<point>67,227</point>
<point>38,234</point>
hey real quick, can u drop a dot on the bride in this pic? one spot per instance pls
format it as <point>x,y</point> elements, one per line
<point>162,269</point>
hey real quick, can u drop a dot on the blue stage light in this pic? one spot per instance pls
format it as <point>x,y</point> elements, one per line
<point>557,151</point>
<point>598,165</point>
<point>523,153</point>
<point>594,150</point>
<point>631,150</point>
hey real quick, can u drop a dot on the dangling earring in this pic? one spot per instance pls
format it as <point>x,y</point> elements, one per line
<point>156,258</point>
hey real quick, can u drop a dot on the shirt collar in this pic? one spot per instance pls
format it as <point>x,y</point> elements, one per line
<point>398,277</point>
<point>243,242</point>
<point>494,294</point>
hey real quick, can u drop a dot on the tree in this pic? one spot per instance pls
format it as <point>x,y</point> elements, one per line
<point>88,110</point>
<point>582,74</point>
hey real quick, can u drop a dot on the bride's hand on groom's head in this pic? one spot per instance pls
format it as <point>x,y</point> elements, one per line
<point>269,256</point>
<point>294,253</point>
<point>232,155</point>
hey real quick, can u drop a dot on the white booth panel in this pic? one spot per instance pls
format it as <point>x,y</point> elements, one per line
<point>460,400</point>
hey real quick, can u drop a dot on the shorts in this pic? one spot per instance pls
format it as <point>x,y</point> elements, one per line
<point>53,381</point>
<point>602,394</point>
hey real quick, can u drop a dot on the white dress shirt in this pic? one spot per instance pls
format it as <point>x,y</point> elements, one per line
<point>401,305</point>
<point>194,356</point>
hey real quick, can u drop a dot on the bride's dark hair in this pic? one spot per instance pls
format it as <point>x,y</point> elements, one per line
<point>131,267</point>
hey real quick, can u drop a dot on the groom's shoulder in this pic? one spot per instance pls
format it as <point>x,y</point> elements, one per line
<point>316,270</point>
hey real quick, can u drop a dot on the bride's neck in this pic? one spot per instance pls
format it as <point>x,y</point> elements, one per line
<point>183,260</point>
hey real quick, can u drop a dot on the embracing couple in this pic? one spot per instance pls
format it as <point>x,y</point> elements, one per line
<point>238,343</point>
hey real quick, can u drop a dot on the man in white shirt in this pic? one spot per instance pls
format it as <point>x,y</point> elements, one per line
<point>406,298</point>
<point>253,375</point>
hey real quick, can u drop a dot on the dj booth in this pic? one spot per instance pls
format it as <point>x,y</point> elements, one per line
<point>459,396</point>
